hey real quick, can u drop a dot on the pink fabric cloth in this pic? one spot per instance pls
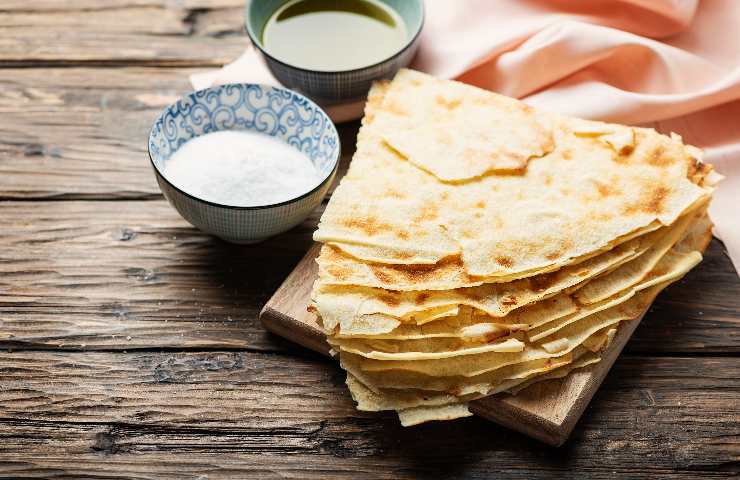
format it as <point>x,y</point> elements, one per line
<point>672,64</point>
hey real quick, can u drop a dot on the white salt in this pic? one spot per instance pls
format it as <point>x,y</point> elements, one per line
<point>241,168</point>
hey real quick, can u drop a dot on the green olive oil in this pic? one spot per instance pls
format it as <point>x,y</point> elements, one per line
<point>334,35</point>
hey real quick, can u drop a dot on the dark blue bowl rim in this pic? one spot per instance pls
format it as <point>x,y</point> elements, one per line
<point>330,175</point>
<point>408,45</point>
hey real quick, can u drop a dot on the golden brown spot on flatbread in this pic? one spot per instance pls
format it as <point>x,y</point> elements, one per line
<point>422,273</point>
<point>657,199</point>
<point>583,273</point>
<point>563,246</point>
<point>392,192</point>
<point>659,157</point>
<point>389,300</point>
<point>600,217</point>
<point>480,204</point>
<point>606,190</point>
<point>478,215</point>
<point>370,225</point>
<point>697,171</point>
<point>396,108</point>
<point>444,196</point>
<point>421,298</point>
<point>504,261</point>
<point>338,272</point>
<point>467,233</point>
<point>380,274</point>
<point>566,153</point>
<point>652,201</point>
<point>450,104</point>
<point>565,191</point>
<point>627,150</point>
<point>548,179</point>
<point>403,234</point>
<point>428,212</point>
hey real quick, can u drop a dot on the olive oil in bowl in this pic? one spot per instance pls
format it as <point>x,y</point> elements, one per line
<point>334,35</point>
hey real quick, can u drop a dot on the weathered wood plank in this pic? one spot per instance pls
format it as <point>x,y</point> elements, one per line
<point>81,133</point>
<point>136,32</point>
<point>130,275</point>
<point>225,413</point>
<point>700,313</point>
<point>92,274</point>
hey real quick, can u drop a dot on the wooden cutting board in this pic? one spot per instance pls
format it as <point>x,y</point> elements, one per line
<point>547,411</point>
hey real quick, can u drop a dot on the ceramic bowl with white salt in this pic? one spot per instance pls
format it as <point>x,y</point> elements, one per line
<point>243,161</point>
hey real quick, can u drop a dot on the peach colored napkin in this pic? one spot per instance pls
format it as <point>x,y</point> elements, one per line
<point>672,64</point>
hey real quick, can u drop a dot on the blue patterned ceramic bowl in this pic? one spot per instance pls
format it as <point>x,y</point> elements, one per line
<point>346,86</point>
<point>275,111</point>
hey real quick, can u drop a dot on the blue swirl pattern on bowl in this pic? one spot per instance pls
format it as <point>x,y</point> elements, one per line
<point>331,88</point>
<point>270,110</point>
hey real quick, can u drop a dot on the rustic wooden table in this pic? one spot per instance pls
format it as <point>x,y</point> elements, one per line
<point>130,341</point>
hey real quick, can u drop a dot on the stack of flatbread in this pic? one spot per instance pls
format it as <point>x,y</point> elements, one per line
<point>477,245</point>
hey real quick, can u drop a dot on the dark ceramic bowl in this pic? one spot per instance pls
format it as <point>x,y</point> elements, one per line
<point>335,87</point>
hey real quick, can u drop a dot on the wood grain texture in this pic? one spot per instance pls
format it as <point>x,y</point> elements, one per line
<point>547,411</point>
<point>78,278</point>
<point>124,275</point>
<point>81,133</point>
<point>131,33</point>
<point>225,414</point>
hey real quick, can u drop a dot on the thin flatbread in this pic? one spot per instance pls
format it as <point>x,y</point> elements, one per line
<point>474,131</point>
<point>415,416</point>
<point>562,212</point>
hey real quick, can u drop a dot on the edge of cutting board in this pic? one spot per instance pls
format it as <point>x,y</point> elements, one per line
<point>547,411</point>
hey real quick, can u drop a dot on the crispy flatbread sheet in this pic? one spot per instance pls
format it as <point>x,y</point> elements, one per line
<point>474,131</point>
<point>364,312</point>
<point>467,366</point>
<point>455,385</point>
<point>426,316</point>
<point>343,305</point>
<point>633,271</point>
<point>414,416</point>
<point>338,268</point>
<point>669,268</point>
<point>371,401</point>
<point>357,346</point>
<point>587,359</point>
<point>560,343</point>
<point>464,325</point>
<point>600,340</point>
<point>405,281</point>
<point>555,211</point>
<point>569,337</point>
